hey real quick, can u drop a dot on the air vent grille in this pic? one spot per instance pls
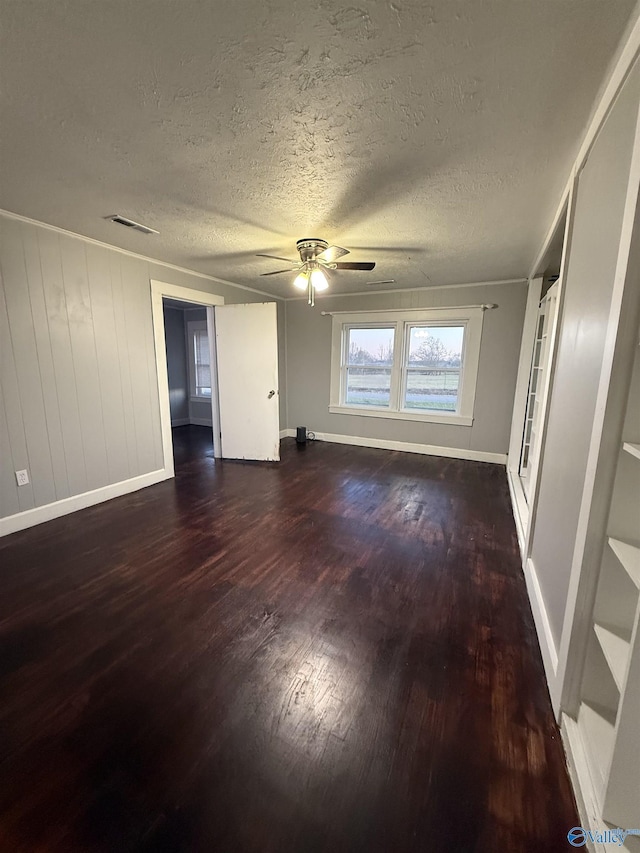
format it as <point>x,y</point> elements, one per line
<point>129,223</point>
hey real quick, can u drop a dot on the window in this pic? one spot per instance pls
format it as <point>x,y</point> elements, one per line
<point>199,360</point>
<point>410,365</point>
<point>368,366</point>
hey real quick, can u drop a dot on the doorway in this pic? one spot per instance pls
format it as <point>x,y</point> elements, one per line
<point>189,371</point>
<point>242,375</point>
<point>204,408</point>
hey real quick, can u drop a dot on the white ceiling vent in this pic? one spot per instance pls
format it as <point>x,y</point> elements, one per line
<point>129,223</point>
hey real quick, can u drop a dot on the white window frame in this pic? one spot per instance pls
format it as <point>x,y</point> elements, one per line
<point>194,326</point>
<point>402,321</point>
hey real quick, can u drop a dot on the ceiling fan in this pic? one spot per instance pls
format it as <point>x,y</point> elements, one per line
<point>317,260</point>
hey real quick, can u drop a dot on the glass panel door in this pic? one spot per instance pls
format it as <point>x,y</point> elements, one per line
<point>539,367</point>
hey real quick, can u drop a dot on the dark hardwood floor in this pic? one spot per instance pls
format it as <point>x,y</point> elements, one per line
<point>333,653</point>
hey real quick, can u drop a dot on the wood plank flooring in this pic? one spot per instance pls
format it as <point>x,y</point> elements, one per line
<point>334,653</point>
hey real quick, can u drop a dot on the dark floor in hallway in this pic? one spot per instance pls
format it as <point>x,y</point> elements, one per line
<point>333,653</point>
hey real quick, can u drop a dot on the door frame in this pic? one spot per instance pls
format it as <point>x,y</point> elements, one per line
<point>159,289</point>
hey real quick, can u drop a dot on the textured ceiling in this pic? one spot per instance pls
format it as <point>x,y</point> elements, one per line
<point>434,139</point>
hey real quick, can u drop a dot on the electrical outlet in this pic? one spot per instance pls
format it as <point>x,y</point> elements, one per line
<point>22,478</point>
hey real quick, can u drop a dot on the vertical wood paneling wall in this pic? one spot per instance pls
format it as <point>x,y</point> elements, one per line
<point>79,404</point>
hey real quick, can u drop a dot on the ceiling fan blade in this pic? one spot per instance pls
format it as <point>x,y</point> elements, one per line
<point>347,265</point>
<point>397,249</point>
<point>332,253</point>
<point>276,258</point>
<point>277,272</point>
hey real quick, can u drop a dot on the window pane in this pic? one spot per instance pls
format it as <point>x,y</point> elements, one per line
<point>201,342</point>
<point>368,386</point>
<point>436,346</point>
<point>203,380</point>
<point>433,373</point>
<point>432,389</point>
<point>371,346</point>
<point>202,365</point>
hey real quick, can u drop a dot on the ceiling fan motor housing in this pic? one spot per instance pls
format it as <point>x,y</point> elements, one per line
<point>310,247</point>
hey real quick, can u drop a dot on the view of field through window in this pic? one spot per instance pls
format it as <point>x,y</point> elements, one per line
<point>431,374</point>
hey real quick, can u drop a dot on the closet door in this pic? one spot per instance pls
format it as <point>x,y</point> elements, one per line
<point>538,390</point>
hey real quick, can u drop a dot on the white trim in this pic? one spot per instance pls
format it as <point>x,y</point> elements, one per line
<point>541,619</point>
<point>407,447</point>
<point>147,258</point>
<point>178,422</point>
<point>173,291</point>
<point>185,294</point>
<point>427,417</point>
<point>519,507</point>
<point>582,782</point>
<point>330,295</point>
<point>40,514</point>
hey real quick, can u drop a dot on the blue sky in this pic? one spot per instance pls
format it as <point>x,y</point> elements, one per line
<point>371,339</point>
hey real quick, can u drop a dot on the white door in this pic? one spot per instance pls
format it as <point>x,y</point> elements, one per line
<point>538,390</point>
<point>247,358</point>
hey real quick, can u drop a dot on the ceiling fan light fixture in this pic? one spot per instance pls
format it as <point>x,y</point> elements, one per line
<point>301,281</point>
<point>319,280</point>
<point>317,260</point>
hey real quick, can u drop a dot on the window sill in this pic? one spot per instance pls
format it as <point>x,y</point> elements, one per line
<point>200,399</point>
<point>427,417</point>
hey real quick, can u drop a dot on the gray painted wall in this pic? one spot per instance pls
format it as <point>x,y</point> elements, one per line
<point>176,346</point>
<point>309,366</point>
<point>593,253</point>
<point>79,400</point>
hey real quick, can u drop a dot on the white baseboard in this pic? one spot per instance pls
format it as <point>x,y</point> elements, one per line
<point>520,510</point>
<point>406,447</point>
<point>180,422</point>
<point>31,517</point>
<point>543,626</point>
<point>582,781</point>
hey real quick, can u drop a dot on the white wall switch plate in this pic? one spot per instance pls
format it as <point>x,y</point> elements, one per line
<point>22,478</point>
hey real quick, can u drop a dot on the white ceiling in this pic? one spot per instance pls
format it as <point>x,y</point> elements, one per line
<point>433,138</point>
